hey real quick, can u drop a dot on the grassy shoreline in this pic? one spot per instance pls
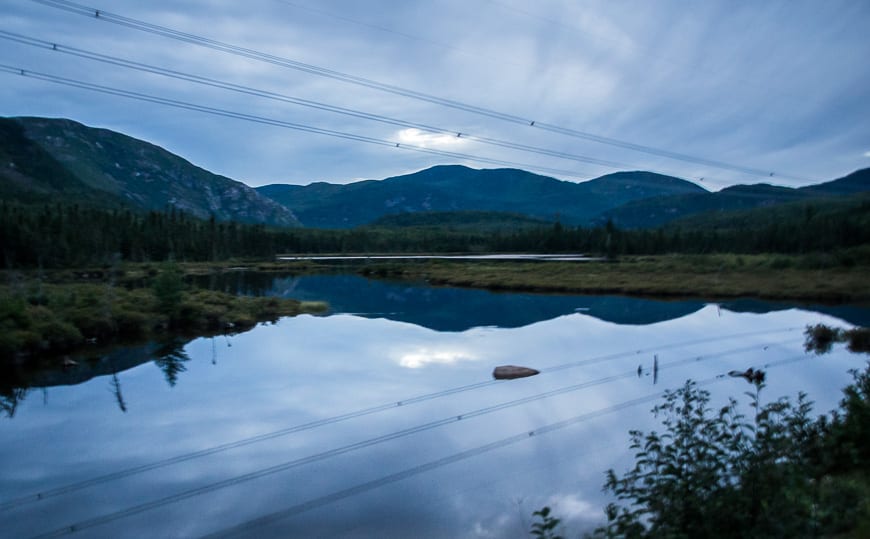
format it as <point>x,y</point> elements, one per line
<point>684,276</point>
<point>772,277</point>
<point>60,312</point>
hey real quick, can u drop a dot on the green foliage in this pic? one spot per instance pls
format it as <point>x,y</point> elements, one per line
<point>470,219</point>
<point>848,433</point>
<point>168,288</point>
<point>715,473</point>
<point>70,235</point>
<point>546,528</point>
<point>65,315</point>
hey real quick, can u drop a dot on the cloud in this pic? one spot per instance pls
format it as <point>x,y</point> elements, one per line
<point>662,75</point>
<point>571,506</point>
<point>429,140</point>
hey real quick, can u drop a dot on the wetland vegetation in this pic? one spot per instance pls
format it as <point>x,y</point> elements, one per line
<point>56,312</point>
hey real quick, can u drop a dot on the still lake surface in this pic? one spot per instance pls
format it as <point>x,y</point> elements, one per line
<point>381,419</point>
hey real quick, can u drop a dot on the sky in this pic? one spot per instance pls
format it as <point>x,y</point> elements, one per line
<point>772,91</point>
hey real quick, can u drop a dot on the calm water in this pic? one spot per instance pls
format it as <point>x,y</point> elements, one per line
<point>381,419</point>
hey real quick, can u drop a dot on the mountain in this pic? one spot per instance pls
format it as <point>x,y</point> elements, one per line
<point>856,182</point>
<point>56,159</point>
<point>815,212</point>
<point>30,174</point>
<point>450,188</point>
<point>659,211</point>
<point>45,160</point>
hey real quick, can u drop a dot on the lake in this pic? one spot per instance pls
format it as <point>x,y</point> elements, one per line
<point>381,419</point>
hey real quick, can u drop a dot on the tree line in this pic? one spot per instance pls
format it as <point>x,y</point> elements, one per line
<point>69,235</point>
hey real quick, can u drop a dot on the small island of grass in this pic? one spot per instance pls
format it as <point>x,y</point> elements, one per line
<point>56,314</point>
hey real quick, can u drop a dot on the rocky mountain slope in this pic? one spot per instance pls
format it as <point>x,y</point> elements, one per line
<point>57,159</point>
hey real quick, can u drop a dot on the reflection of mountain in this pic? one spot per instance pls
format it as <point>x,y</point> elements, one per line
<point>117,360</point>
<point>456,309</point>
<point>17,380</point>
<point>857,316</point>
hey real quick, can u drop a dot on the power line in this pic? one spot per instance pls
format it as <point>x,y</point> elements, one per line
<point>271,121</point>
<point>350,415</point>
<point>379,28</point>
<point>146,68</point>
<point>120,474</point>
<point>393,89</point>
<point>282,467</point>
<point>429,466</point>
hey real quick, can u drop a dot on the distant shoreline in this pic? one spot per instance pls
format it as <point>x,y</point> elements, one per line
<point>58,310</point>
<point>720,276</point>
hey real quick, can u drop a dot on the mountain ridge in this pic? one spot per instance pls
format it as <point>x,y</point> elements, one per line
<point>655,212</point>
<point>450,188</point>
<point>104,167</point>
<point>60,160</point>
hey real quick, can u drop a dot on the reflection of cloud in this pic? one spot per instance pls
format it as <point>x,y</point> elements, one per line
<point>429,140</point>
<point>425,356</point>
<point>866,154</point>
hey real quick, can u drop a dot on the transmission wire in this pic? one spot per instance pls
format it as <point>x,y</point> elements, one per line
<point>397,90</point>
<point>271,121</point>
<point>429,466</point>
<point>175,498</point>
<point>120,474</point>
<point>146,68</point>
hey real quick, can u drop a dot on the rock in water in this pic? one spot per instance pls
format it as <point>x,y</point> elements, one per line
<point>509,372</point>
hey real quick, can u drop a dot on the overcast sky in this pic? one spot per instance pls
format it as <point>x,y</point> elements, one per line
<point>776,86</point>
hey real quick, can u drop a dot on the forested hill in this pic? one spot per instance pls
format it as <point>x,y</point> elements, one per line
<point>50,160</point>
<point>654,212</point>
<point>56,160</point>
<point>629,199</point>
<point>449,188</point>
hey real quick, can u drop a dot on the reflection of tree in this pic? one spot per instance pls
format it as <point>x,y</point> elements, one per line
<point>821,338</point>
<point>116,389</point>
<point>10,398</point>
<point>170,358</point>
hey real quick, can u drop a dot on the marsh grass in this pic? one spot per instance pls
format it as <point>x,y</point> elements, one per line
<point>708,276</point>
<point>40,317</point>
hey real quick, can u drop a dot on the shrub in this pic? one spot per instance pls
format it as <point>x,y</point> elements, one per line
<point>168,287</point>
<point>716,474</point>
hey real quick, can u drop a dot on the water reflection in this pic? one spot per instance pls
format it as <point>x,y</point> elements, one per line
<point>435,307</point>
<point>170,358</point>
<point>116,390</point>
<point>18,380</point>
<point>10,398</point>
<point>320,420</point>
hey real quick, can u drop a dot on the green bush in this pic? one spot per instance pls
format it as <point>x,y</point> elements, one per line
<point>715,473</point>
<point>168,288</point>
<point>55,334</point>
<point>13,314</point>
<point>780,262</point>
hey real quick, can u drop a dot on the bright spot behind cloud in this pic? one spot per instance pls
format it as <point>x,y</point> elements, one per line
<point>429,140</point>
